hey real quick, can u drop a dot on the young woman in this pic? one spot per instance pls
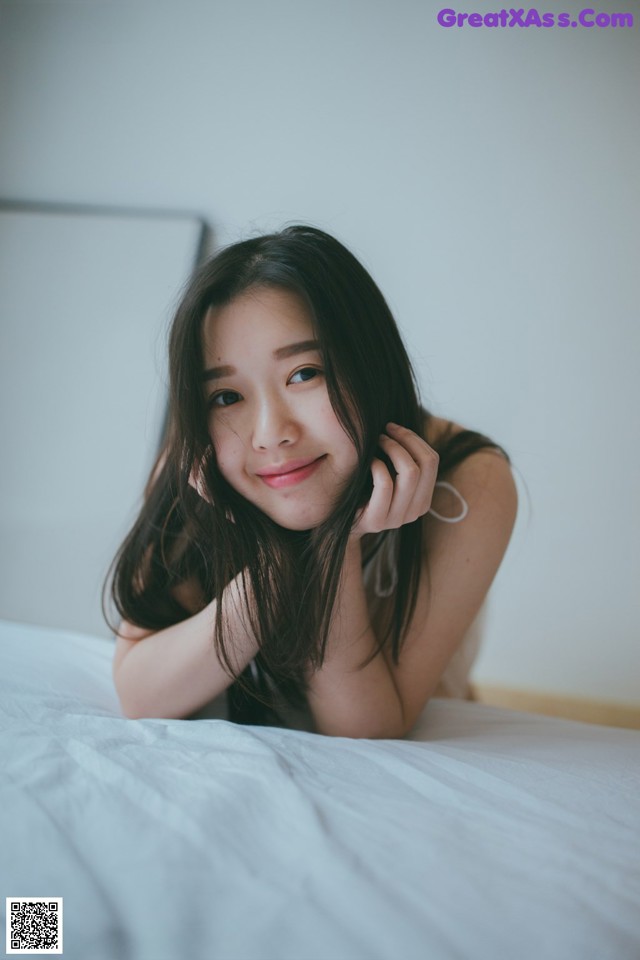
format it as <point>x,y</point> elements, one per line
<point>312,542</point>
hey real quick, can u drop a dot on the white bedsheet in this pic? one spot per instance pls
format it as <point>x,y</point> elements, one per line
<point>491,834</point>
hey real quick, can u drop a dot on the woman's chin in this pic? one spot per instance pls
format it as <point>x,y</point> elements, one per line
<point>297,525</point>
<point>297,520</point>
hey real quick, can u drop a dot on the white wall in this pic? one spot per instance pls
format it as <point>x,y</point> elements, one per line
<point>488,179</point>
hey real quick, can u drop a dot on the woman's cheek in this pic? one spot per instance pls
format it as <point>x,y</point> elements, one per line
<point>229,458</point>
<point>225,462</point>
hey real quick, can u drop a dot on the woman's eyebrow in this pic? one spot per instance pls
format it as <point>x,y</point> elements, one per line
<point>290,350</point>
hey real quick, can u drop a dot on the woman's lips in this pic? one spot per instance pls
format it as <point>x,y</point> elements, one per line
<point>277,480</point>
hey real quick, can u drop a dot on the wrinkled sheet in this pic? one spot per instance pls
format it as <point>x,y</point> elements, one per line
<point>487,834</point>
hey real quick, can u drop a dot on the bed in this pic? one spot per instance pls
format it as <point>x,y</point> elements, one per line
<point>487,833</point>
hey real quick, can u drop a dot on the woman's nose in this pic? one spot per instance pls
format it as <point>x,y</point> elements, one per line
<point>275,424</point>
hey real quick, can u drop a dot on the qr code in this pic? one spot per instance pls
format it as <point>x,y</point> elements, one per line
<point>34,925</point>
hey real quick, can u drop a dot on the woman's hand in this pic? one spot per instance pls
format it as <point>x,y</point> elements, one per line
<point>401,499</point>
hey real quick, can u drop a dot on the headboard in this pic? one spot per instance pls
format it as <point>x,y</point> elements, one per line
<point>86,297</point>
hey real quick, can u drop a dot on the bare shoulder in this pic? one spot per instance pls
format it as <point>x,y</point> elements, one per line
<point>437,429</point>
<point>483,479</point>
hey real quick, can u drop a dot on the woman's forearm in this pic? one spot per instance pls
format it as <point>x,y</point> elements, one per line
<point>176,671</point>
<point>344,700</point>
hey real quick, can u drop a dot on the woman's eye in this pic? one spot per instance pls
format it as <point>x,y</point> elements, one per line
<point>223,399</point>
<point>306,373</point>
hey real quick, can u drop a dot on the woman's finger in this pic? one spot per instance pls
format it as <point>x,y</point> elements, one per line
<point>417,501</point>
<point>374,516</point>
<point>419,449</point>
<point>401,499</point>
<point>406,481</point>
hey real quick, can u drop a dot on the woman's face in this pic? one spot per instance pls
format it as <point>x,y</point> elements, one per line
<point>277,439</point>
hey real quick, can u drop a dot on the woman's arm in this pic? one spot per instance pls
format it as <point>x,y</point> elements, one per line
<point>385,700</point>
<point>176,671</point>
<point>463,560</point>
<point>346,701</point>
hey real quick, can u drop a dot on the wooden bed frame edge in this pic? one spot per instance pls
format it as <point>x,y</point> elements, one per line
<point>607,713</point>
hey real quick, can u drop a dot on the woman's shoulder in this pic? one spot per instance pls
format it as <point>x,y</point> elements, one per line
<point>483,471</point>
<point>438,431</point>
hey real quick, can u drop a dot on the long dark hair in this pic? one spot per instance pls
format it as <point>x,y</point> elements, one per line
<point>293,575</point>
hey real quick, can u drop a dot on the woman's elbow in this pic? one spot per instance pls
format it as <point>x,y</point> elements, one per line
<point>128,710</point>
<point>378,730</point>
